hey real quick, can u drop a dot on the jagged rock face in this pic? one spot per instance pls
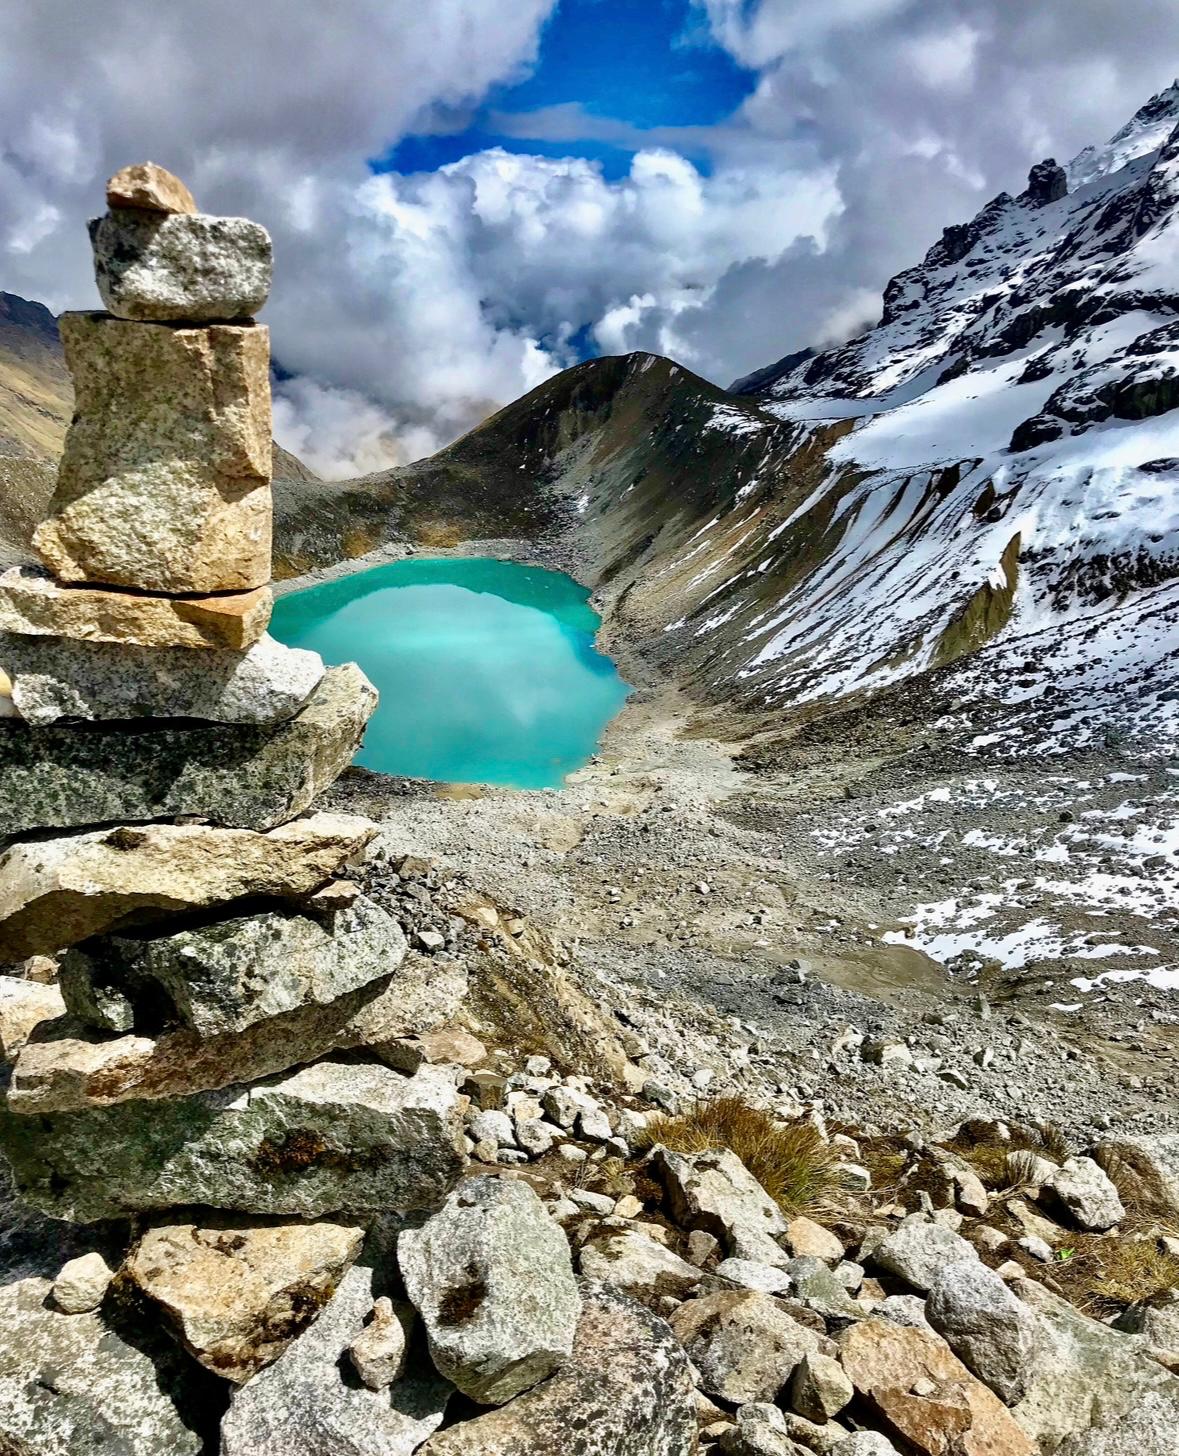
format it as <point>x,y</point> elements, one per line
<point>55,892</point>
<point>174,498</point>
<point>34,605</point>
<point>492,1278</point>
<point>59,678</point>
<point>188,267</point>
<point>228,974</point>
<point>330,1137</point>
<point>242,776</point>
<point>1047,182</point>
<point>626,1390</point>
<point>95,1384</point>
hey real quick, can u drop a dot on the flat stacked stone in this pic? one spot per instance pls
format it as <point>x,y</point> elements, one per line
<point>226,986</point>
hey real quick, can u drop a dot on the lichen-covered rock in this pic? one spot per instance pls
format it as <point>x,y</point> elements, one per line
<point>625,1390</point>
<point>1148,1167</point>
<point>224,975</point>
<point>55,892</point>
<point>1149,1429</point>
<point>991,1331</point>
<point>745,1345</point>
<point>1081,1372</point>
<point>62,678</point>
<point>309,1403</point>
<point>492,1278</point>
<point>31,602</point>
<point>151,187</point>
<point>715,1192</point>
<point>93,1384</point>
<point>239,1292</point>
<point>189,267</point>
<point>643,1267</point>
<point>332,1137</point>
<point>917,1251</point>
<point>243,776</point>
<point>173,497</point>
<point>67,1072</point>
<point>1086,1195</point>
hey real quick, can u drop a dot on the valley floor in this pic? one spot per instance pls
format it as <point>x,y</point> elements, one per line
<point>764,913</point>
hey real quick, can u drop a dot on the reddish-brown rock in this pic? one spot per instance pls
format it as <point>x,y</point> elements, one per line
<point>925,1396</point>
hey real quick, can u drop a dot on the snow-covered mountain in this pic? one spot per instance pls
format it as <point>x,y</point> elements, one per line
<point>1006,469</point>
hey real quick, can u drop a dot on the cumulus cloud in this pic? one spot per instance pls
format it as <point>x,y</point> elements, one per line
<point>408,307</point>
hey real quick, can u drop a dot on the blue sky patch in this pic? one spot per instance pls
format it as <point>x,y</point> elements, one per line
<point>609,72</point>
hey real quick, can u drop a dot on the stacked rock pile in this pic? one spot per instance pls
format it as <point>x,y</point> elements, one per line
<point>158,752</point>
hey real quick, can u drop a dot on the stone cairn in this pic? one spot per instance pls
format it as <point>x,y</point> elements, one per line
<point>157,754</point>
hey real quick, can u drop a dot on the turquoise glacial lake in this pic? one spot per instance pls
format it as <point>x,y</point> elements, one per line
<point>487,670</point>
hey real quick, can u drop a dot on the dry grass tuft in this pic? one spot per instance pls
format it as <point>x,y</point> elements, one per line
<point>988,1157</point>
<point>790,1160</point>
<point>1020,1168</point>
<point>1103,1274</point>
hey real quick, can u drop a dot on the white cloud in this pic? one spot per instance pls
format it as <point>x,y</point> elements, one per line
<point>412,306</point>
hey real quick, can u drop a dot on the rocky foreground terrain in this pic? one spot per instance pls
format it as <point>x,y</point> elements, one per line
<point>802,1077</point>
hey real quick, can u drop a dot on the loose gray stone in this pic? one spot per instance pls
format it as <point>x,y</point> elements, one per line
<point>749,1274</point>
<point>760,1431</point>
<point>865,1443</point>
<point>332,1137</point>
<point>309,1403</point>
<point>227,975</point>
<point>1149,1166</point>
<point>1086,1194</point>
<point>95,1384</point>
<point>244,776</point>
<point>82,1284</point>
<point>640,1265</point>
<point>992,1332</point>
<point>903,1309</point>
<point>626,1390</point>
<point>492,1278</point>
<point>819,1388</point>
<point>180,266</point>
<point>744,1345</point>
<point>55,678</point>
<point>714,1191</point>
<point>918,1251</point>
<point>816,1286</point>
